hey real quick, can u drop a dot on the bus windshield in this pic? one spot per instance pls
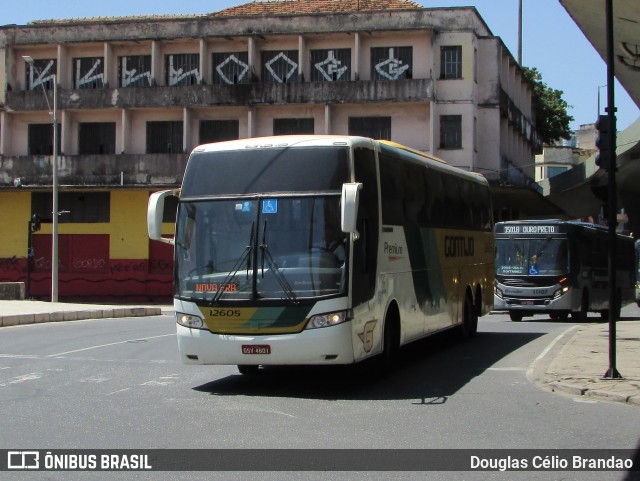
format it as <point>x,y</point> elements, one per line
<point>265,247</point>
<point>531,257</point>
<point>259,170</point>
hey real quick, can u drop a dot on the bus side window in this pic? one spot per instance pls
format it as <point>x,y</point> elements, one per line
<point>365,252</point>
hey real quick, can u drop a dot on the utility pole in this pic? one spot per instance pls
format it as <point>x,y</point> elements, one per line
<point>520,32</point>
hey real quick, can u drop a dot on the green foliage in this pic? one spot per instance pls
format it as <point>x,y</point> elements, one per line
<point>552,119</point>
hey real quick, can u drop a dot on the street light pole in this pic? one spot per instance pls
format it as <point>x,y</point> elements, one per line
<point>55,209</point>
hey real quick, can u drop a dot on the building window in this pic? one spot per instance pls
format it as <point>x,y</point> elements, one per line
<point>293,126</point>
<point>41,74</point>
<point>451,62</point>
<point>77,207</point>
<point>330,65</point>
<point>218,130</point>
<point>134,71</point>
<point>391,63</point>
<point>183,69</point>
<point>451,131</point>
<point>88,73</point>
<point>97,138</point>
<point>164,137</point>
<point>374,127</point>
<point>231,68</point>
<point>280,66</point>
<point>41,139</point>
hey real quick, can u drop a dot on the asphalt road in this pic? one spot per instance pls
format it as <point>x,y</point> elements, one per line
<point>117,383</point>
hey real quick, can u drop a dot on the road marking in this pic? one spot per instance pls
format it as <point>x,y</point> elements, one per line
<point>33,376</point>
<point>547,349</point>
<point>116,392</point>
<point>108,345</point>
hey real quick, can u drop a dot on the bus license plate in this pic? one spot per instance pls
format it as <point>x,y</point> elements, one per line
<point>256,349</point>
<point>528,303</point>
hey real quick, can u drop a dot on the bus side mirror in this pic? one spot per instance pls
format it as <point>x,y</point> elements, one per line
<point>349,214</point>
<point>155,211</point>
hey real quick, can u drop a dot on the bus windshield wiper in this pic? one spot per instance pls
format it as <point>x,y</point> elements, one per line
<point>277,273</point>
<point>246,255</point>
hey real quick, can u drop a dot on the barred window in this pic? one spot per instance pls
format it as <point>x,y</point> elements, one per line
<point>97,138</point>
<point>451,131</point>
<point>41,139</point>
<point>231,68</point>
<point>134,71</point>
<point>280,66</point>
<point>41,74</point>
<point>391,63</point>
<point>183,69</point>
<point>218,130</point>
<point>451,62</point>
<point>373,127</point>
<point>164,137</point>
<point>88,73</point>
<point>293,126</point>
<point>330,65</point>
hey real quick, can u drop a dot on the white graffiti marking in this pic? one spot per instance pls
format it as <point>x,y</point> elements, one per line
<point>331,66</point>
<point>89,77</point>
<point>237,61</point>
<point>392,67</point>
<point>290,72</point>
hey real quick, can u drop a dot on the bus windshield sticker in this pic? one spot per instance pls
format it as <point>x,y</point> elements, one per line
<point>246,206</point>
<point>270,206</point>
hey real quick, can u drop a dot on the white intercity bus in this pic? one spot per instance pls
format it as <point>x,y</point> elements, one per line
<point>559,268</point>
<point>323,250</point>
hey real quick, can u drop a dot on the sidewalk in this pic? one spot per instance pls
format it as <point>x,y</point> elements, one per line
<point>13,313</point>
<point>576,361</point>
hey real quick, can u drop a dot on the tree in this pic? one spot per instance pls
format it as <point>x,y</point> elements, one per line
<point>552,119</point>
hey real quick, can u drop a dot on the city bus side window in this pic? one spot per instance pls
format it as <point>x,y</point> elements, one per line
<point>366,248</point>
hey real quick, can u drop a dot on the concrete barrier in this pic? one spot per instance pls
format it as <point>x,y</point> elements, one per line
<point>12,291</point>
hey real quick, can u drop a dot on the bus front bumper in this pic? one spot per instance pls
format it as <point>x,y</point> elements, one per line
<point>329,345</point>
<point>534,305</point>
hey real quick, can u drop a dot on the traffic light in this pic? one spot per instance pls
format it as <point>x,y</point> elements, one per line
<point>603,126</point>
<point>35,223</point>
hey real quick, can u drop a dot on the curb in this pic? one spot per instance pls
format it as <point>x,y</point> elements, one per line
<point>61,316</point>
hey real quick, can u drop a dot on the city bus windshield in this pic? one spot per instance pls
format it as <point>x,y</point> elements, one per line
<point>268,247</point>
<point>531,257</point>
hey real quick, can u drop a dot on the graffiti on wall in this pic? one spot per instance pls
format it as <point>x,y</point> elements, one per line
<point>41,74</point>
<point>331,68</point>
<point>282,67</point>
<point>395,66</point>
<point>231,68</point>
<point>89,73</point>
<point>135,71</point>
<point>183,69</point>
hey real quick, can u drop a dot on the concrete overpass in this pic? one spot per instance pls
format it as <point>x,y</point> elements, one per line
<point>580,191</point>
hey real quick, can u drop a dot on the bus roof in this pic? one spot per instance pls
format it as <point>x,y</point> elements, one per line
<point>337,140</point>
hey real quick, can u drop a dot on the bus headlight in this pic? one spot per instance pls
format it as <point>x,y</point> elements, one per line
<point>497,292</point>
<point>189,320</point>
<point>328,319</point>
<point>561,292</point>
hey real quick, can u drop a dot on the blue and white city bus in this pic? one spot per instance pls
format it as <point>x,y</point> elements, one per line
<point>323,250</point>
<point>559,268</point>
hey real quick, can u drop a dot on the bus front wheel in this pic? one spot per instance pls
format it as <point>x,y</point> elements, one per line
<point>515,316</point>
<point>248,370</point>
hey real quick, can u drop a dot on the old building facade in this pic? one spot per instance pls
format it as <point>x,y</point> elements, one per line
<point>135,95</point>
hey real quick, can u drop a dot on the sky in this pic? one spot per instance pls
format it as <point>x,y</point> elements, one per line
<point>552,42</point>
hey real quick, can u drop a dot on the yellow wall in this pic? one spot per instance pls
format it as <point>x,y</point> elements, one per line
<point>15,212</point>
<point>129,235</point>
<point>127,229</point>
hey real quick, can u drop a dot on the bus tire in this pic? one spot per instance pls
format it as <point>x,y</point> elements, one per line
<point>390,340</point>
<point>248,369</point>
<point>581,315</point>
<point>469,325</point>
<point>515,316</point>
